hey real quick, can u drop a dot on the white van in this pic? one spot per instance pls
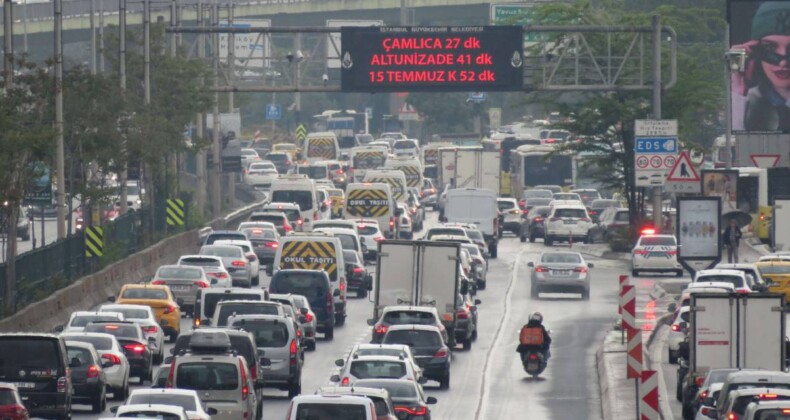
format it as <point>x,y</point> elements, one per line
<point>344,407</point>
<point>321,146</point>
<point>301,190</point>
<point>316,251</point>
<point>478,207</point>
<point>370,200</point>
<point>367,157</point>
<point>411,167</point>
<point>395,178</point>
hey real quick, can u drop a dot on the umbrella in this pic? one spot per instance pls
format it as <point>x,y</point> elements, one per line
<point>740,217</point>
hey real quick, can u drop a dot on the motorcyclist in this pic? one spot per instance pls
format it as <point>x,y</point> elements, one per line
<point>536,321</point>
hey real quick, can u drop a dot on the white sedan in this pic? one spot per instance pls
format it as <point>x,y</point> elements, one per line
<point>143,316</point>
<point>677,332</point>
<point>186,398</point>
<point>656,253</point>
<point>249,252</point>
<point>109,349</point>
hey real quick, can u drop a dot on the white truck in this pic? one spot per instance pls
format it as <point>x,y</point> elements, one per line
<point>731,330</point>
<point>475,206</point>
<point>780,224</point>
<point>469,167</point>
<point>421,273</point>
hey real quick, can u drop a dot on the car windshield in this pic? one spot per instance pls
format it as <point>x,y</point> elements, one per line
<point>118,330</point>
<point>144,293</point>
<point>267,333</point>
<point>99,343</point>
<point>734,280</point>
<point>83,320</point>
<point>207,376</point>
<point>179,273</point>
<point>409,317</point>
<point>225,252</point>
<point>561,258</point>
<point>505,205</point>
<point>416,338</point>
<point>318,411</point>
<point>185,401</point>
<point>574,213</point>
<point>472,249</point>
<point>774,269</point>
<point>367,229</point>
<point>226,311</point>
<point>36,358</point>
<point>301,197</point>
<point>362,369</point>
<point>306,284</point>
<point>657,241</point>
<point>201,262</point>
<point>211,300</point>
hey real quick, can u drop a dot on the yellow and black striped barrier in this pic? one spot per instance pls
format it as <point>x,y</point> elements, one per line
<point>94,241</point>
<point>175,212</point>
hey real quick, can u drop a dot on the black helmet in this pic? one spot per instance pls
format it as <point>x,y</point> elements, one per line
<point>536,316</point>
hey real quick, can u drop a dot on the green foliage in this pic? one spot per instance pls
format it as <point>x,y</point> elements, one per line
<point>445,112</point>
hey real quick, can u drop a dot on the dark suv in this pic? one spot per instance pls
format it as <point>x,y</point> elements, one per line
<point>37,364</point>
<point>533,223</point>
<point>430,350</point>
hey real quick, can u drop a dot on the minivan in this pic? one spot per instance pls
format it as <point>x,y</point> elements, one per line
<point>206,301</point>
<point>315,286</point>
<point>37,364</point>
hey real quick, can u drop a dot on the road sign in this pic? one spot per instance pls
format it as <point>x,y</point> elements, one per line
<point>175,212</point>
<point>274,112</point>
<point>433,59</point>
<point>250,50</point>
<point>623,282</point>
<point>94,241</point>
<point>515,14</point>
<point>668,144</point>
<point>655,128</point>
<point>648,396</point>
<point>408,113</point>
<point>476,97</point>
<point>683,170</point>
<point>369,112</point>
<point>765,160</point>
<point>301,132</point>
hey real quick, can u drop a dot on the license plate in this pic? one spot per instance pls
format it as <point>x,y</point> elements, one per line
<point>25,385</point>
<point>532,365</point>
<point>569,222</point>
<point>657,255</point>
<point>561,272</point>
<point>180,288</point>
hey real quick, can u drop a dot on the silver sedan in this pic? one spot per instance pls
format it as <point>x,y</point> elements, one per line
<point>559,271</point>
<point>309,323</point>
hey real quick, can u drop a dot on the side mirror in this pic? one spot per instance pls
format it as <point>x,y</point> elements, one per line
<point>671,307</point>
<point>75,362</point>
<point>269,270</point>
<point>334,378</point>
<point>59,329</point>
<point>266,361</point>
<point>362,239</point>
<point>107,364</point>
<point>464,288</point>
<point>211,411</point>
<point>364,248</point>
<point>590,265</point>
<point>303,311</point>
<point>371,322</point>
<point>431,400</point>
<point>530,264</point>
<point>340,362</point>
<point>168,360</point>
<point>478,301</point>
<point>369,279</point>
<point>323,207</point>
<point>111,299</point>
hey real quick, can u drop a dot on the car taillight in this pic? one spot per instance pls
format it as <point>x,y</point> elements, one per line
<point>345,381</point>
<point>767,396</point>
<point>703,395</point>
<point>741,291</point>
<point>580,270</point>
<point>158,282</point>
<point>135,348</point>
<point>288,228</point>
<point>308,317</point>
<point>542,269</point>
<point>699,381</point>
<point>221,275</point>
<point>704,411</point>
<point>238,263</point>
<point>378,238</point>
<point>201,284</point>
<point>299,222</point>
<point>272,244</point>
<point>112,358</point>
<point>442,352</point>
<point>522,203</point>
<point>315,215</point>
<point>171,374</point>
<point>170,309</point>
<point>150,329</point>
<point>392,223</point>
<point>62,384</point>
<point>641,252</point>
<point>93,371</point>
<point>381,329</point>
<point>533,356</point>
<point>294,347</point>
<point>330,304</point>
<point>358,270</point>
<point>416,411</point>
<point>245,388</point>
<point>731,416</point>
<point>339,172</point>
<point>462,314</point>
<point>537,219</point>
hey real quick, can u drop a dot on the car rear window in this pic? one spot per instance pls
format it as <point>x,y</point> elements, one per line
<point>774,269</point>
<point>657,241</point>
<point>395,389</point>
<point>141,293</point>
<point>201,262</point>
<point>505,205</point>
<point>244,309</point>
<point>207,376</point>
<point>7,397</point>
<point>149,415</point>
<point>379,352</point>
<point>276,220</point>
<point>330,411</point>
<point>185,401</point>
<point>414,338</point>
<point>437,232</point>
<point>28,357</point>
<point>367,229</point>
<point>301,197</point>
<point>177,273</point>
<point>575,213</point>
<point>99,343</point>
<point>118,330</point>
<point>129,313</point>
<point>602,204</point>
<point>277,157</point>
<point>561,258</point>
<point>211,300</point>
<point>267,333</point>
<point>734,280</point>
<point>224,252</point>
<point>213,237</point>
<point>621,216</point>
<point>404,144</point>
<point>346,241</point>
<point>305,284</point>
<point>772,414</point>
<point>259,235</point>
<point>406,317</point>
<point>83,355</point>
<point>83,320</point>
<point>377,369</point>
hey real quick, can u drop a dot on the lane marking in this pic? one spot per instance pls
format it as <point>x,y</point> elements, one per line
<point>482,402</point>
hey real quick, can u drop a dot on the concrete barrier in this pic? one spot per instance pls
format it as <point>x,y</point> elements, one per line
<point>94,289</point>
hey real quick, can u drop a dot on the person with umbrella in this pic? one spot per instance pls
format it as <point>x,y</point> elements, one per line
<point>732,239</point>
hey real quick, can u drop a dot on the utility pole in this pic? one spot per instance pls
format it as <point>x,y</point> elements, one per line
<point>147,50</point>
<point>200,164</point>
<point>728,97</point>
<point>60,164</point>
<point>216,196</point>
<point>231,177</point>
<point>298,95</point>
<point>173,22</point>
<point>122,76</point>
<point>8,42</point>
<point>657,199</point>
<point>101,36</point>
<point>24,26</point>
<point>93,36</point>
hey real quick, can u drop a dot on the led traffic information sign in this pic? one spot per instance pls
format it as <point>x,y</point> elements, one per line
<point>432,58</point>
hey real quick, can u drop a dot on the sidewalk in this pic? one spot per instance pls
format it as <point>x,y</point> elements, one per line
<point>653,296</point>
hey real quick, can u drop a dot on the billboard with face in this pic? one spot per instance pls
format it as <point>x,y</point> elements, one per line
<point>761,82</point>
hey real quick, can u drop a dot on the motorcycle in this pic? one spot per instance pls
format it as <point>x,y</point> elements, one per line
<point>534,362</point>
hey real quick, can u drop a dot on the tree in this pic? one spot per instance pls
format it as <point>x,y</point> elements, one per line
<point>445,112</point>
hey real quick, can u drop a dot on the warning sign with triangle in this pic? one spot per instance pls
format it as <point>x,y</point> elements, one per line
<point>765,160</point>
<point>407,109</point>
<point>683,170</point>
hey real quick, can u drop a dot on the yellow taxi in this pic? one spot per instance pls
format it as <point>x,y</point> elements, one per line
<point>289,148</point>
<point>338,199</point>
<point>161,300</point>
<point>776,273</point>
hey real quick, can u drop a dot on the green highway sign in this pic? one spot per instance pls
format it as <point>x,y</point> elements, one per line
<point>514,14</point>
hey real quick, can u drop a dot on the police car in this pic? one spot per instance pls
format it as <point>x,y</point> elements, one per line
<point>655,253</point>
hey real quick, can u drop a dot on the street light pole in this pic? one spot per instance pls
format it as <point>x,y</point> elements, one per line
<point>727,99</point>
<point>60,164</point>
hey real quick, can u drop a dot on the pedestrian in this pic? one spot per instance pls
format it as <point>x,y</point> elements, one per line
<point>732,239</point>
